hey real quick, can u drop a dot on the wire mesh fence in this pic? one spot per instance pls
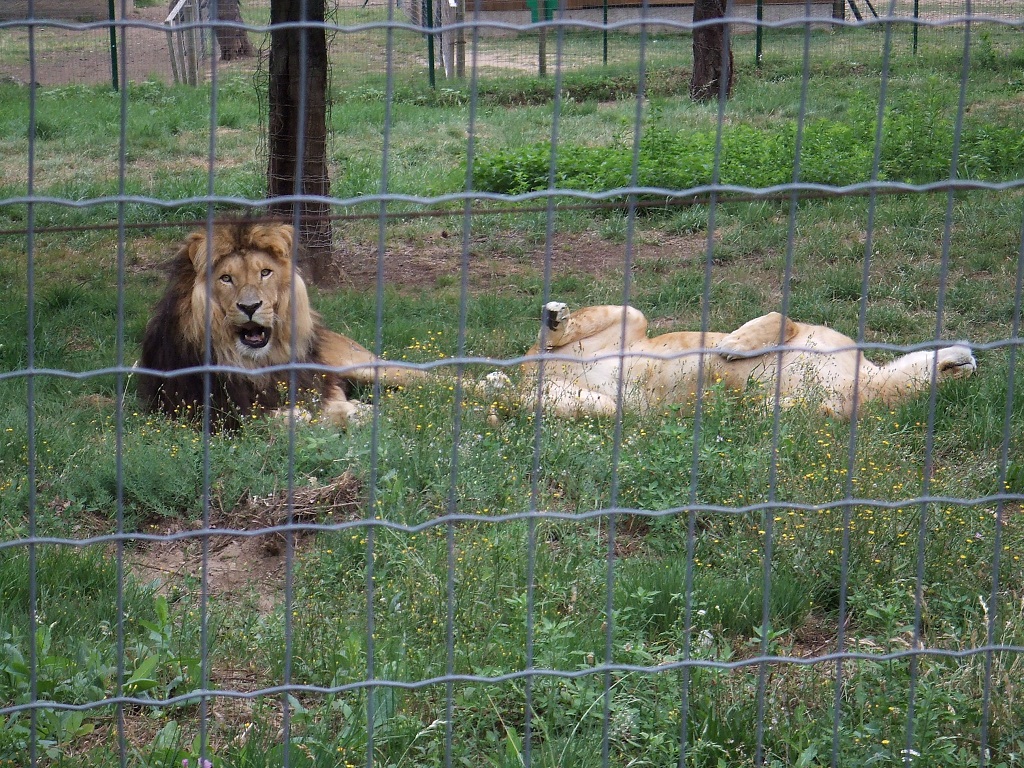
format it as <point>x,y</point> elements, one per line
<point>75,47</point>
<point>561,565</point>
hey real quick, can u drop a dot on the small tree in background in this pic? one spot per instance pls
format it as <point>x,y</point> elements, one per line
<point>297,99</point>
<point>712,56</point>
<point>234,42</point>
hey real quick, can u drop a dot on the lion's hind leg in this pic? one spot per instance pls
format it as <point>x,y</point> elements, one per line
<point>360,365</point>
<point>757,335</point>
<point>955,362</point>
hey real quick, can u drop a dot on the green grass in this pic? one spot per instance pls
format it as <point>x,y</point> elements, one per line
<point>804,481</point>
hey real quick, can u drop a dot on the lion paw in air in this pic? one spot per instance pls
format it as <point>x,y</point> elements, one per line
<point>556,313</point>
<point>956,362</point>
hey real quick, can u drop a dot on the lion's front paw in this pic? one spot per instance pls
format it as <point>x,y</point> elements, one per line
<point>496,382</point>
<point>955,362</point>
<point>296,415</point>
<point>361,415</point>
<point>499,391</point>
<point>347,413</point>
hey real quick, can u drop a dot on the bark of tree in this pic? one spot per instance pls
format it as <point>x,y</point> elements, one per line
<point>234,43</point>
<point>297,103</point>
<point>712,54</point>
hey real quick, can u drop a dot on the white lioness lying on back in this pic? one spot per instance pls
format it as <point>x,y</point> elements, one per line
<point>590,347</point>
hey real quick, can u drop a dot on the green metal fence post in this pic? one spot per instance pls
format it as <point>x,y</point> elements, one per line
<point>917,14</point>
<point>430,41</point>
<point>113,45</point>
<point>604,33</point>
<point>757,34</point>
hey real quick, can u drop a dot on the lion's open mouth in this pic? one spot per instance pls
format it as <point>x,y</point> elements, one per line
<point>254,335</point>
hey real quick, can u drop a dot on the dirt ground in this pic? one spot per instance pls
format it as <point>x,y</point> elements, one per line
<point>68,10</point>
<point>438,259</point>
<point>65,57</point>
<point>244,568</point>
<point>247,567</point>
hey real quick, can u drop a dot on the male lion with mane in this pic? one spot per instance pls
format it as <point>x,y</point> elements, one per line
<point>600,353</point>
<point>246,281</point>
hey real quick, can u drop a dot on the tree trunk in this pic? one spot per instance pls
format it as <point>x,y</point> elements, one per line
<point>234,43</point>
<point>298,163</point>
<point>712,55</point>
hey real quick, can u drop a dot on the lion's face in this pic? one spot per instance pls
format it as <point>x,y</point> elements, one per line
<point>246,292</point>
<point>250,288</point>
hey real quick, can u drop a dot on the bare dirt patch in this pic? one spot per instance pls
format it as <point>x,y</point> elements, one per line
<point>67,10</point>
<point>228,721</point>
<point>438,259</point>
<point>242,565</point>
<point>66,56</point>
<point>435,260</point>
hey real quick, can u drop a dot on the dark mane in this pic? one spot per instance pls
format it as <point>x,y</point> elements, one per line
<point>166,347</point>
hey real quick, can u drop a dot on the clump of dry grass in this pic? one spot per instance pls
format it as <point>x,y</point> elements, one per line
<point>335,501</point>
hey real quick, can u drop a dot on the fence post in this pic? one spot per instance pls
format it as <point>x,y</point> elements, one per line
<point>542,10</point>
<point>195,43</point>
<point>113,45</point>
<point>429,7</point>
<point>460,39</point>
<point>917,15</point>
<point>758,53</point>
<point>604,32</point>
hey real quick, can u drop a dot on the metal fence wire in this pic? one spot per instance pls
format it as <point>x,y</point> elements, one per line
<point>470,578</point>
<point>74,46</point>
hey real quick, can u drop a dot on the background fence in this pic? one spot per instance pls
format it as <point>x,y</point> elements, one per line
<point>725,584</point>
<point>74,52</point>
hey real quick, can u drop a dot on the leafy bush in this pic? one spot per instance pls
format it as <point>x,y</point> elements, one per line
<point>916,147</point>
<point>749,157</point>
<point>602,85</point>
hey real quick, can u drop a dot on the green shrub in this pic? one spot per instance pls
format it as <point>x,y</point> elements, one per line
<point>916,147</point>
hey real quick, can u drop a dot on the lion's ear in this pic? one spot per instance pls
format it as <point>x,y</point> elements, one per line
<point>197,250</point>
<point>275,239</point>
<point>287,233</point>
<point>280,240</point>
